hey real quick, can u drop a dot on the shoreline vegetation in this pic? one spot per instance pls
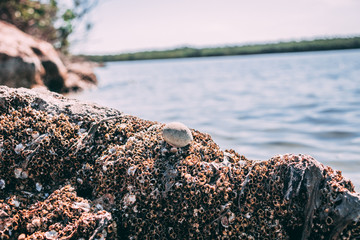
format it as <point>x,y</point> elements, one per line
<point>340,43</point>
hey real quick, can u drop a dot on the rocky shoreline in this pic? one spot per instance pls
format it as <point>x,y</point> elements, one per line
<point>75,170</point>
<point>29,62</point>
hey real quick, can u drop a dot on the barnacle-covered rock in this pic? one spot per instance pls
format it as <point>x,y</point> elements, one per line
<point>73,170</point>
<point>63,215</point>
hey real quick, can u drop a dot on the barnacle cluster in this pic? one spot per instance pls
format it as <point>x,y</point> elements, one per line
<point>63,215</point>
<point>112,176</point>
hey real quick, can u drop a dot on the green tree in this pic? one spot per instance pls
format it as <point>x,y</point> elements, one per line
<point>46,19</point>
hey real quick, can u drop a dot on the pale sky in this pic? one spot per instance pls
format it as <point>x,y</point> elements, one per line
<point>136,25</point>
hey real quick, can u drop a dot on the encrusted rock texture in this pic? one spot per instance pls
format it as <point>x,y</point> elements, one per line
<point>29,62</point>
<point>74,170</point>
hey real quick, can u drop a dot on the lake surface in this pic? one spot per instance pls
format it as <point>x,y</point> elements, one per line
<point>259,105</point>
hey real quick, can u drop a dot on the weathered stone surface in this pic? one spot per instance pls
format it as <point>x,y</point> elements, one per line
<point>29,62</point>
<point>120,165</point>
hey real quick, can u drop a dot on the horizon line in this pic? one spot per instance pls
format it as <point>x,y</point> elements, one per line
<point>249,43</point>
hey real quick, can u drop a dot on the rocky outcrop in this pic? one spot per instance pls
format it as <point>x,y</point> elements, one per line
<point>80,75</point>
<point>74,170</point>
<point>29,62</point>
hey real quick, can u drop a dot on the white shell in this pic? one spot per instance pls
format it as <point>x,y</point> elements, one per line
<point>177,134</point>
<point>2,184</point>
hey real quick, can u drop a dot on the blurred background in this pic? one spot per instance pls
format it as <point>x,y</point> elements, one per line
<point>262,77</point>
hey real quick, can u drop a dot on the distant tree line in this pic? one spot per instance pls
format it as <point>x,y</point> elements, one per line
<point>281,47</point>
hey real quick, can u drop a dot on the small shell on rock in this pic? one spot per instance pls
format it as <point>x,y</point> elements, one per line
<point>38,187</point>
<point>15,203</point>
<point>20,173</point>
<point>112,150</point>
<point>131,171</point>
<point>129,199</point>
<point>19,148</point>
<point>177,134</point>
<point>2,184</point>
<point>81,205</point>
<point>35,135</point>
<point>225,222</point>
<point>51,235</point>
<point>22,236</point>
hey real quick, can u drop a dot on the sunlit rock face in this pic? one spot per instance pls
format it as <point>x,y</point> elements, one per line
<point>29,62</point>
<point>76,170</point>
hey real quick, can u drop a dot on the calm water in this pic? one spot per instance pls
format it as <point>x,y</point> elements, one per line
<point>259,105</point>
